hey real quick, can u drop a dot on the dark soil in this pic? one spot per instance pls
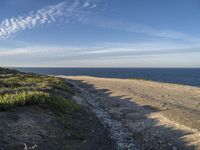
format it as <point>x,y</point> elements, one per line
<point>34,127</point>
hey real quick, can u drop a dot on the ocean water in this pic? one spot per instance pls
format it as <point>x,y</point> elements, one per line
<point>186,76</point>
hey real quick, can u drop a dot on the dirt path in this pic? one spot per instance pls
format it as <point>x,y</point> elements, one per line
<point>144,114</point>
<point>36,128</point>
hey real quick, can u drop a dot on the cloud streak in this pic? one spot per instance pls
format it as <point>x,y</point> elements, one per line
<point>99,51</point>
<point>142,29</point>
<point>107,54</point>
<point>13,25</point>
<point>73,9</point>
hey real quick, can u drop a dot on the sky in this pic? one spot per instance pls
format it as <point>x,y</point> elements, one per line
<point>100,33</point>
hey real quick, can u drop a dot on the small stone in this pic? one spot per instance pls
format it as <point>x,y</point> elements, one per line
<point>174,148</point>
<point>84,141</point>
<point>165,108</point>
<point>33,147</point>
<point>25,147</point>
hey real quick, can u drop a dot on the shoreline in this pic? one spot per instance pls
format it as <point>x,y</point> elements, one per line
<point>183,76</point>
<point>136,79</point>
<point>170,109</point>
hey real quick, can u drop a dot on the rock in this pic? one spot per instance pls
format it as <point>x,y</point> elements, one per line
<point>174,148</point>
<point>32,147</point>
<point>25,147</point>
<point>84,141</point>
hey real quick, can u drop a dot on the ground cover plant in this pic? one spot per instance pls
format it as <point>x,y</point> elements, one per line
<point>23,89</point>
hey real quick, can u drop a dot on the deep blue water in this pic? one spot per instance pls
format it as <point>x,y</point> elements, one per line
<point>170,75</point>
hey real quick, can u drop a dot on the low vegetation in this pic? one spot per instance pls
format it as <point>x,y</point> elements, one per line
<point>23,89</point>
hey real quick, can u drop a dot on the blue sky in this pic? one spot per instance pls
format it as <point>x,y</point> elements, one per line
<point>100,33</point>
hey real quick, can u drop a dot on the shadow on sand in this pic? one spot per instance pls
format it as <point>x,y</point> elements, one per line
<point>147,132</point>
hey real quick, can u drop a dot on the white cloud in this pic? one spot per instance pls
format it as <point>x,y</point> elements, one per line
<point>86,4</point>
<point>77,9</point>
<point>16,52</point>
<point>70,10</point>
<point>102,54</point>
<point>11,26</point>
<point>101,50</point>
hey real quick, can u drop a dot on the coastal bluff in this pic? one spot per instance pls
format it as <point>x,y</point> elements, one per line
<point>37,113</point>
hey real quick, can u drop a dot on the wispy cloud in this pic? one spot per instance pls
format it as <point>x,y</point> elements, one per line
<point>11,26</point>
<point>107,54</point>
<point>126,26</point>
<point>77,10</point>
<point>101,50</point>
<point>68,9</point>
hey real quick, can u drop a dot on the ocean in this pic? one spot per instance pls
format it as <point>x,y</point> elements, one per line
<point>185,76</point>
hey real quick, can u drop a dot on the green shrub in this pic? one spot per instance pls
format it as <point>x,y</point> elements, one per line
<point>8,101</point>
<point>19,89</point>
<point>22,89</point>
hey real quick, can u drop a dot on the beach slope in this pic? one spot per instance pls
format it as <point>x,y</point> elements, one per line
<point>151,115</point>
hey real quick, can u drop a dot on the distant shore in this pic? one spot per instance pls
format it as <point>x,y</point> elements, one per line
<point>170,109</point>
<point>183,76</point>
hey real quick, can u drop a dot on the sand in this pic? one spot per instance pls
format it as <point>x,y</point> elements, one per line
<point>153,115</point>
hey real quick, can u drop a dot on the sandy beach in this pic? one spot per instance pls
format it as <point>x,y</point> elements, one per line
<point>149,115</point>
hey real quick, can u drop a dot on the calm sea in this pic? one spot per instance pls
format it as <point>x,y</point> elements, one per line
<point>169,75</point>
